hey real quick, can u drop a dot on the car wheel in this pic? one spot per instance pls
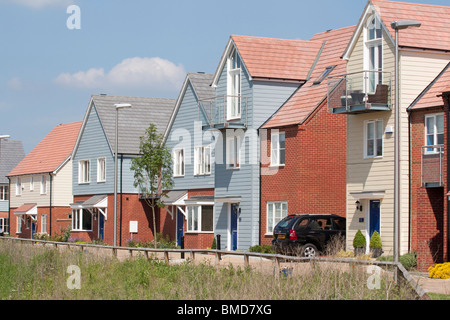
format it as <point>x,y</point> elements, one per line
<point>308,250</point>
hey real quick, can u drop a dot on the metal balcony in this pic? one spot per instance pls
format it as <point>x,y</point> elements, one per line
<point>431,166</point>
<point>224,112</point>
<point>359,92</point>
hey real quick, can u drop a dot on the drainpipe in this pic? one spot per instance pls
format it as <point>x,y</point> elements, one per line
<point>121,200</point>
<point>409,180</point>
<point>446,95</point>
<point>50,213</point>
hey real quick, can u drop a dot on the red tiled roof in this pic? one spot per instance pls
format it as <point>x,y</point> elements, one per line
<point>429,97</point>
<point>310,95</point>
<point>277,58</point>
<point>24,208</point>
<point>51,152</point>
<point>434,33</point>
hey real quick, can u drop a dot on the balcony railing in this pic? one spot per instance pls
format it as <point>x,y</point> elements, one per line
<point>225,111</point>
<point>431,166</point>
<point>359,92</point>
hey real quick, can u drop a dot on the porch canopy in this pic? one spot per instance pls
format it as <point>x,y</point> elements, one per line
<point>99,202</point>
<point>27,209</point>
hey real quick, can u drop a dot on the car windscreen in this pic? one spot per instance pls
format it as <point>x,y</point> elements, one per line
<point>285,222</point>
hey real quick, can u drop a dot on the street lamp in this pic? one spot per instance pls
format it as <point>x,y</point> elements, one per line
<point>398,25</point>
<point>118,106</point>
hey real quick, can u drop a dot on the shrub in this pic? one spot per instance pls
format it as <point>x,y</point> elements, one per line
<point>265,248</point>
<point>440,271</point>
<point>359,241</point>
<point>375,241</point>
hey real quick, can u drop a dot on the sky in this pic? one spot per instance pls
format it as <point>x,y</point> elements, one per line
<point>54,56</point>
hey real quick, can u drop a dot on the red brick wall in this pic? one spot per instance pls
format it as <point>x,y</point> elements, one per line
<point>428,205</point>
<point>198,240</point>
<point>313,179</point>
<point>132,209</point>
<point>59,221</point>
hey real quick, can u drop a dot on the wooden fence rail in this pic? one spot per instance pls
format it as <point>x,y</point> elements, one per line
<point>402,274</point>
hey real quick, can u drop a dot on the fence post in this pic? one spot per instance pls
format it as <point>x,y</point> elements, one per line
<point>166,256</point>
<point>246,260</point>
<point>182,246</point>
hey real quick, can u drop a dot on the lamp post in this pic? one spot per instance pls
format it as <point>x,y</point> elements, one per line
<point>398,25</point>
<point>118,107</point>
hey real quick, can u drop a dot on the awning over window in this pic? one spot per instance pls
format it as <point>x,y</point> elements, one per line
<point>200,200</point>
<point>229,199</point>
<point>175,198</point>
<point>99,202</point>
<point>28,209</point>
<point>375,195</point>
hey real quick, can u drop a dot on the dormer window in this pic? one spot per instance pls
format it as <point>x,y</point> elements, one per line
<point>373,54</point>
<point>234,86</point>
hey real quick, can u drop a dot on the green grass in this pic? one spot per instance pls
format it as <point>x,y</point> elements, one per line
<point>35,272</point>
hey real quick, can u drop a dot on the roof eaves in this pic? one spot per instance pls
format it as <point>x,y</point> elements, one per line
<point>176,109</point>
<point>411,106</point>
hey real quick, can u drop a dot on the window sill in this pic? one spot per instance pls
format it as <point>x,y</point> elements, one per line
<point>276,165</point>
<point>201,232</point>
<point>84,182</point>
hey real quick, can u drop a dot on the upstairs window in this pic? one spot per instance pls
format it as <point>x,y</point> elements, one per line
<point>202,160</point>
<point>234,86</point>
<point>373,56</point>
<point>234,152</point>
<point>18,187</point>
<point>101,169</point>
<point>4,193</point>
<point>277,149</point>
<point>178,163</point>
<point>43,184</point>
<point>374,138</point>
<point>434,131</point>
<point>84,169</point>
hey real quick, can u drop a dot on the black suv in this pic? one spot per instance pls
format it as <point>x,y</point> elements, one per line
<point>306,234</point>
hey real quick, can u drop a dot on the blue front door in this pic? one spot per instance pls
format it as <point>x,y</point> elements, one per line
<point>233,225</point>
<point>101,226</point>
<point>180,226</point>
<point>374,216</point>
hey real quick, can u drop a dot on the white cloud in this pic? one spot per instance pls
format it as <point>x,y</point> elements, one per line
<point>37,4</point>
<point>134,72</point>
<point>15,84</point>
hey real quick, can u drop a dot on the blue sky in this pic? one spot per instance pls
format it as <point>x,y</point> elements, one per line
<point>137,48</point>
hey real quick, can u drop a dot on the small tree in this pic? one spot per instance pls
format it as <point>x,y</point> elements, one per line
<point>153,171</point>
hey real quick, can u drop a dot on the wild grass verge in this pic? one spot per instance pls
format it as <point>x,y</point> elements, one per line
<point>36,272</point>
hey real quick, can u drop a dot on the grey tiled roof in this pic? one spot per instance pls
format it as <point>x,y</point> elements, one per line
<point>11,153</point>
<point>202,85</point>
<point>132,122</point>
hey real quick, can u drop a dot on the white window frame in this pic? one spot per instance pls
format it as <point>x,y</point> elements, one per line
<point>83,173</point>
<point>272,220</point>
<point>4,193</point>
<point>43,188</point>
<point>234,86</point>
<point>435,132</point>
<point>202,160</point>
<point>179,162</point>
<point>101,169</point>
<point>4,225</point>
<point>234,152</point>
<point>44,223</point>
<point>373,78</point>
<point>276,150</point>
<point>193,211</point>
<point>19,220</point>
<point>31,183</point>
<point>375,139</point>
<point>77,220</point>
<point>18,186</point>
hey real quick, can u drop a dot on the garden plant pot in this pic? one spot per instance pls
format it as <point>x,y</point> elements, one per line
<point>360,251</point>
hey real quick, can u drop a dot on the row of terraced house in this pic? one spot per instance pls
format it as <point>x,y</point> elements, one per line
<point>282,127</point>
